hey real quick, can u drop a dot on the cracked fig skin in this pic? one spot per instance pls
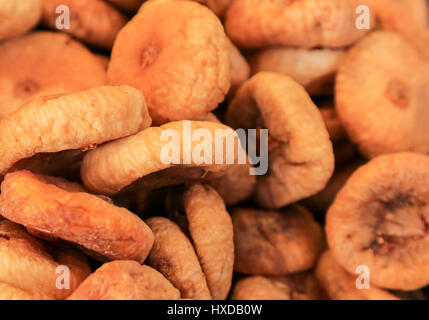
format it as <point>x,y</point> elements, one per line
<point>297,23</point>
<point>54,208</point>
<point>125,280</point>
<point>380,219</point>
<point>136,161</point>
<point>200,267</point>
<point>176,53</point>
<point>71,121</point>
<point>382,104</point>
<point>28,269</point>
<point>275,243</point>
<point>18,16</point>
<point>300,154</point>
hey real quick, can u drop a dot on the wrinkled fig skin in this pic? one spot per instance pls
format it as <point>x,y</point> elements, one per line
<point>174,256</point>
<point>375,75</point>
<point>380,219</point>
<point>275,243</point>
<point>181,66</point>
<point>28,269</point>
<point>300,154</point>
<point>200,266</point>
<point>300,286</point>
<point>71,121</point>
<point>340,285</point>
<point>211,230</point>
<point>60,210</point>
<point>314,69</point>
<point>138,160</point>
<point>125,280</point>
<point>298,23</point>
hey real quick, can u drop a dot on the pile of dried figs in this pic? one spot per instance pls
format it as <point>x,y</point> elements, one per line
<point>214,149</point>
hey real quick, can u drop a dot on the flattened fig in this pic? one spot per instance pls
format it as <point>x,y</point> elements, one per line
<point>211,231</point>
<point>380,219</point>
<point>92,21</point>
<point>54,208</point>
<point>176,53</point>
<point>174,256</point>
<point>18,16</point>
<point>300,286</point>
<point>301,23</point>
<point>382,105</point>
<point>340,285</point>
<point>125,280</point>
<point>28,269</point>
<point>300,154</point>
<point>137,162</point>
<point>275,243</point>
<point>49,63</point>
<point>72,121</point>
<point>315,69</point>
<point>200,267</point>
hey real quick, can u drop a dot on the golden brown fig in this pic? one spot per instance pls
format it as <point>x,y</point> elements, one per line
<point>300,154</point>
<point>141,161</point>
<point>72,121</point>
<point>18,16</point>
<point>382,105</point>
<point>203,268</point>
<point>176,53</point>
<point>340,285</point>
<point>29,271</point>
<point>125,280</point>
<point>315,69</point>
<point>408,18</point>
<point>50,63</point>
<point>380,219</point>
<point>302,23</point>
<point>300,286</point>
<point>92,21</point>
<point>57,209</point>
<point>275,243</point>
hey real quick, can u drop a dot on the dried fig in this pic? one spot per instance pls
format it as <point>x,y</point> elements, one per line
<point>408,18</point>
<point>315,69</point>
<point>203,269</point>
<point>302,23</point>
<point>301,286</point>
<point>137,161</point>
<point>382,105</point>
<point>72,121</point>
<point>18,16</point>
<point>380,219</point>
<point>340,285</point>
<point>100,31</point>
<point>49,63</point>
<point>29,271</point>
<point>275,243</point>
<point>57,209</point>
<point>300,156</point>
<point>176,53</point>
<point>125,280</point>
<point>239,68</point>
